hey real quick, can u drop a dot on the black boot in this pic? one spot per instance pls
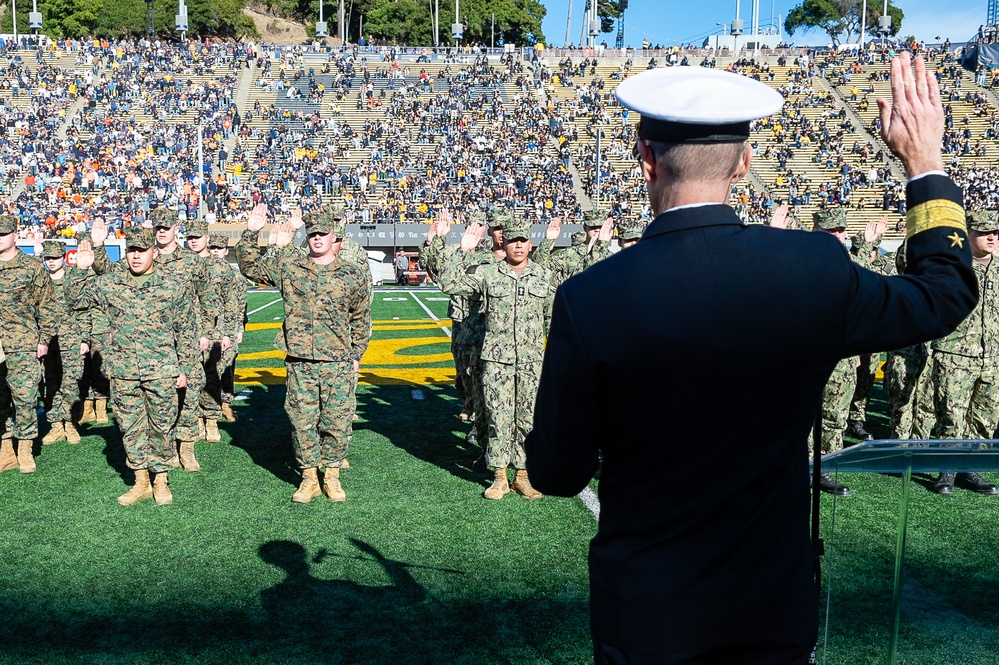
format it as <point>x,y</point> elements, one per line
<point>855,430</point>
<point>944,484</point>
<point>829,485</point>
<point>480,463</point>
<point>975,483</point>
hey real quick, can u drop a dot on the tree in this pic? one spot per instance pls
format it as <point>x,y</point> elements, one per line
<point>402,22</point>
<point>840,19</point>
<point>609,11</point>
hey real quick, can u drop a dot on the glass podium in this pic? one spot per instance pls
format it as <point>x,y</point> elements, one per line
<point>851,590</point>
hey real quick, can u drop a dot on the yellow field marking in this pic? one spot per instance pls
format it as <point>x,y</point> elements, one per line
<point>379,324</point>
<point>380,352</point>
<point>272,376</point>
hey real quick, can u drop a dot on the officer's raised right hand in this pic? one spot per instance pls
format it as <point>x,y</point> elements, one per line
<point>912,124</point>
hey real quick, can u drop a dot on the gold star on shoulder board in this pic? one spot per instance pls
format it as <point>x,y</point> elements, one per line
<point>956,240</point>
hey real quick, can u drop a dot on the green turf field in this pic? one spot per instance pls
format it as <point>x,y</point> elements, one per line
<point>415,567</point>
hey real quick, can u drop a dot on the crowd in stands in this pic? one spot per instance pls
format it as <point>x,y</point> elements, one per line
<point>111,129</point>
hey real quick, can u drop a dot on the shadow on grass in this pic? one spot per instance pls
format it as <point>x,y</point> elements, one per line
<point>262,429</point>
<point>422,426</point>
<point>305,618</point>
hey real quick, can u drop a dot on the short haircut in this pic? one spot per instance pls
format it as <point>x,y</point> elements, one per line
<point>691,162</point>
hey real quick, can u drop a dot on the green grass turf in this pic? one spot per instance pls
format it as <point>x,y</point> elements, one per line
<point>415,567</point>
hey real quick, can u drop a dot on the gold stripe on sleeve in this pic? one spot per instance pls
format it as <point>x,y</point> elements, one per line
<point>934,214</point>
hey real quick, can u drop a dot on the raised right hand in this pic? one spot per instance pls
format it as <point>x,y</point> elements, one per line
<point>84,255</point>
<point>99,232</point>
<point>258,217</point>
<point>472,235</point>
<point>912,124</point>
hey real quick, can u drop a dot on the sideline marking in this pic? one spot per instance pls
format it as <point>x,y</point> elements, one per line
<point>263,307</point>
<point>590,500</point>
<point>428,311</point>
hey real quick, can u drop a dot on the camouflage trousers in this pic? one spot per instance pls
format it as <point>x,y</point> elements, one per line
<point>865,381</point>
<point>472,365</point>
<point>227,376</point>
<point>320,405</point>
<point>836,398</point>
<point>509,392</point>
<point>189,418</point>
<point>96,384</point>
<point>211,393</point>
<point>462,361</point>
<point>966,396</point>
<point>63,381</point>
<point>146,412</point>
<point>19,377</point>
<point>905,380</point>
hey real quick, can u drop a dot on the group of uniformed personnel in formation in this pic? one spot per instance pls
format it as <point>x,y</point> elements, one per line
<point>158,333</point>
<point>946,388</point>
<point>501,291</point>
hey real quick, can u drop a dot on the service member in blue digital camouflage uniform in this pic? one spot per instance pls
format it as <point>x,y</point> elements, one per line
<point>690,566</point>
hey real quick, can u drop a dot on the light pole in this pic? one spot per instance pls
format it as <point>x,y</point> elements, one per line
<point>321,29</point>
<point>568,24</point>
<point>180,21</point>
<point>35,22</point>
<point>884,23</point>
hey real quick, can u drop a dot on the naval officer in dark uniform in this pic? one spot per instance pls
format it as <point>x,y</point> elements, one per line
<point>702,553</point>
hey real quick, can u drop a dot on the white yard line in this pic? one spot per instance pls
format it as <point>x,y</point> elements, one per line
<point>273,302</point>
<point>590,500</point>
<point>426,309</point>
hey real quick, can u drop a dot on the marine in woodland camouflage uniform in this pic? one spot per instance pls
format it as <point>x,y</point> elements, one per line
<point>327,327</point>
<point>154,337</point>
<point>210,399</point>
<point>965,364</point>
<point>64,361</point>
<point>194,272</point>
<point>96,385</point>
<point>27,325</point>
<point>517,296</point>
<point>232,319</point>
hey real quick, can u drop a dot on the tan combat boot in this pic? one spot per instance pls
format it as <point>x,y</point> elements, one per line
<point>228,413</point>
<point>89,415</point>
<point>25,458</point>
<point>187,459</point>
<point>331,485</point>
<point>140,490</point>
<point>346,464</point>
<point>101,409</point>
<point>522,486</point>
<point>161,490</point>
<point>72,436</point>
<point>309,487</point>
<point>500,486</point>
<point>201,429</point>
<point>8,460</point>
<point>212,434</point>
<point>55,435</point>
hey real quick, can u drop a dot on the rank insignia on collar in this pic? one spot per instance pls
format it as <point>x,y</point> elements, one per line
<point>956,240</point>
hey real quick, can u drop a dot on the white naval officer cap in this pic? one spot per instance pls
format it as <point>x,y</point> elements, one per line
<point>696,105</point>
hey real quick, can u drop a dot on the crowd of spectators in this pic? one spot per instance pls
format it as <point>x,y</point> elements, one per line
<point>116,129</point>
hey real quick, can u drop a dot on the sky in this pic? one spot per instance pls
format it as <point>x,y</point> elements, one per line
<point>670,22</point>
